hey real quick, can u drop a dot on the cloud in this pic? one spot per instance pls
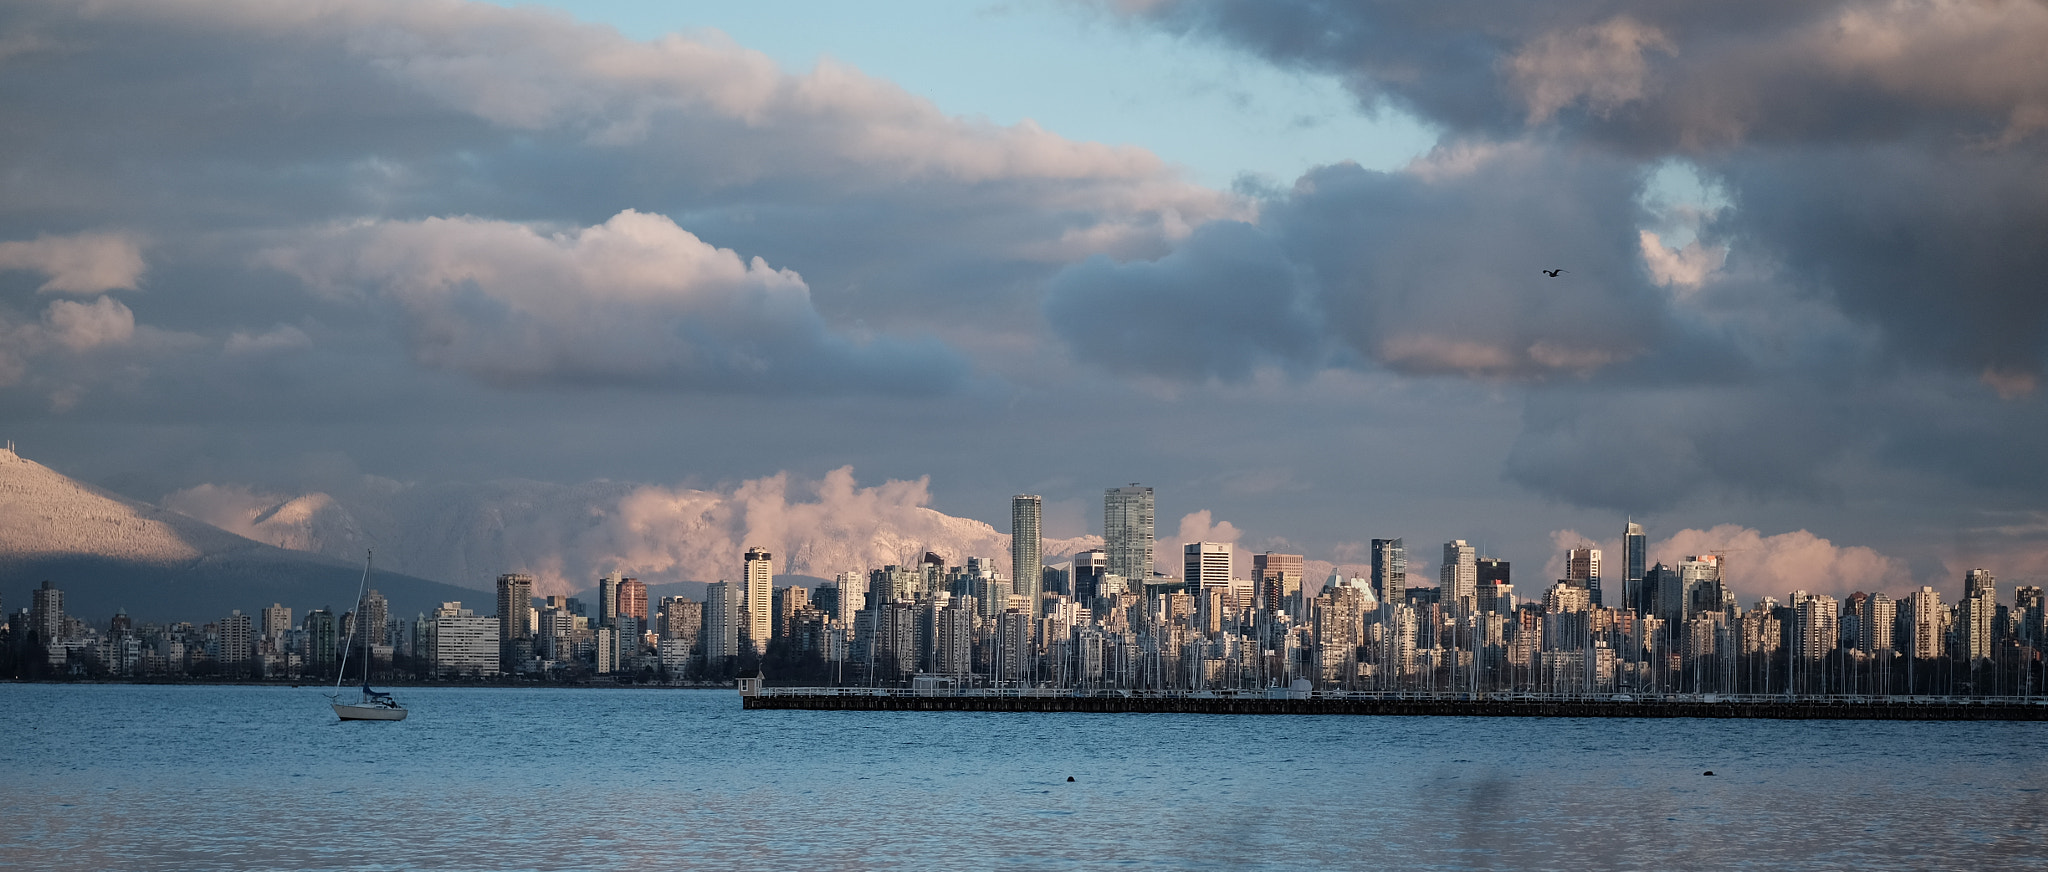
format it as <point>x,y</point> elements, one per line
<point>283,337</point>
<point>1887,156</point>
<point>635,300</point>
<point>1603,65</point>
<point>1223,303</point>
<point>568,535</point>
<point>82,326</point>
<point>1774,566</point>
<point>1432,270</point>
<point>85,263</point>
<point>65,326</point>
<point>1683,268</point>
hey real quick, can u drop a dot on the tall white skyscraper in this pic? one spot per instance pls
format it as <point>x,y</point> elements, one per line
<point>1458,579</point>
<point>853,595</point>
<point>1027,567</point>
<point>1127,532</point>
<point>760,597</point>
<point>1926,624</point>
<point>1207,565</point>
<point>1976,615</point>
<point>1816,629</point>
<point>1874,625</point>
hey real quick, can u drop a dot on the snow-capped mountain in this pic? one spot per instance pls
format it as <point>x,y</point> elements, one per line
<point>109,552</point>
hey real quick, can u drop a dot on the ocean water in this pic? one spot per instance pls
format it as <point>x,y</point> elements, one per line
<point>190,778</point>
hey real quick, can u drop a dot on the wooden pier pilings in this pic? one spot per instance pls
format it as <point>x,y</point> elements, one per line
<point>1782,709</point>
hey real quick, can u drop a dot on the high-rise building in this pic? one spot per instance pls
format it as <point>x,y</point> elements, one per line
<point>1666,593</point>
<point>236,642</point>
<point>1027,563</point>
<point>276,620</point>
<point>791,603</point>
<point>1976,615</point>
<point>1816,626</point>
<point>1635,551</point>
<point>1874,625</point>
<point>1089,567</point>
<point>853,592</point>
<point>1493,570</point>
<point>1458,579</point>
<point>605,650</point>
<point>633,599</point>
<point>515,632</point>
<point>465,643</point>
<point>1279,578</point>
<point>1582,569</point>
<point>1700,576</point>
<point>1207,565</point>
<point>1925,621</point>
<point>2030,615</point>
<point>721,623</point>
<point>607,599</point>
<point>758,597</point>
<point>681,618</point>
<point>375,615</point>
<point>1127,532</point>
<point>515,600</point>
<point>1978,582</point>
<point>1390,571</point>
<point>46,613</point>
<point>323,639</point>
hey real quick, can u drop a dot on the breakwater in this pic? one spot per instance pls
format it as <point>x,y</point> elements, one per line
<point>1779,707</point>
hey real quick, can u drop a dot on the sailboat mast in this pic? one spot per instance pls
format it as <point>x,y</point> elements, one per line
<point>361,587</point>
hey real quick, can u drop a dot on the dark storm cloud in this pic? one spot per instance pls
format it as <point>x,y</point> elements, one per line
<point>1889,153</point>
<point>1431,270</point>
<point>1667,74</point>
<point>1227,301</point>
<point>1946,253</point>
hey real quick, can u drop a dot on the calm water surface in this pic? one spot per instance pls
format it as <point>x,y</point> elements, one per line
<point>117,777</point>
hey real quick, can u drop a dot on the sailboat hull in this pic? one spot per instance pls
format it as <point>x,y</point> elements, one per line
<point>368,712</point>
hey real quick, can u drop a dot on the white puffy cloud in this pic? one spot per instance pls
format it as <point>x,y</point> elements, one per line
<point>85,263</point>
<point>1682,268</point>
<point>635,300</point>
<point>83,326</point>
<point>568,535</point>
<point>1754,565</point>
<point>1758,565</point>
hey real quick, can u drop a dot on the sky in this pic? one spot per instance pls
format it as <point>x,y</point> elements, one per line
<point>1279,260</point>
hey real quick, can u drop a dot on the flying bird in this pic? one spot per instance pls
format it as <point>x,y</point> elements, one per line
<point>1552,272</point>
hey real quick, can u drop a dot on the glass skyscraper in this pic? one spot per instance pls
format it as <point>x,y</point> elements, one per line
<point>1390,571</point>
<point>1127,533</point>
<point>1635,550</point>
<point>1026,556</point>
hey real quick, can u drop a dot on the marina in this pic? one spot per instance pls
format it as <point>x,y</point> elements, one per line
<point>1282,701</point>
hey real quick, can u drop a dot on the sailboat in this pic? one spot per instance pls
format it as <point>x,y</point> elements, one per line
<point>373,706</point>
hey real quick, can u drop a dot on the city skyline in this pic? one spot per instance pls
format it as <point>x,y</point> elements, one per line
<point>968,626</point>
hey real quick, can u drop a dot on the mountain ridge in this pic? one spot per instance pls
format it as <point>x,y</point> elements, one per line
<point>110,552</point>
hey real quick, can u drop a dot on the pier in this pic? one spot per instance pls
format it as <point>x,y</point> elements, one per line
<point>1285,702</point>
